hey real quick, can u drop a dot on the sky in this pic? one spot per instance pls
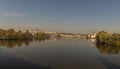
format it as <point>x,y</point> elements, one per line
<point>73,16</point>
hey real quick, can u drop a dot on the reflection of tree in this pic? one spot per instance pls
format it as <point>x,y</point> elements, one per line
<point>108,49</point>
<point>14,43</point>
<point>108,43</point>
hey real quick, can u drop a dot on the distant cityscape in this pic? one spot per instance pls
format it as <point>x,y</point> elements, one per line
<point>12,34</point>
<point>63,35</point>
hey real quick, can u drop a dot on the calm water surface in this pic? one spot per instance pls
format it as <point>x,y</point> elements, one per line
<point>57,54</point>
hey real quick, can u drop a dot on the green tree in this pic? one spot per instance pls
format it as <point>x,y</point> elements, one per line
<point>103,36</point>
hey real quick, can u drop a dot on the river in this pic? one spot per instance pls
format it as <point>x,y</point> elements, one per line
<point>57,54</point>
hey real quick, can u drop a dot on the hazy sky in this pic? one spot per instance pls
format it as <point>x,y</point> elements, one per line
<point>82,16</point>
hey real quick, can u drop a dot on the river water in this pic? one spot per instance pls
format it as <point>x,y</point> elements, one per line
<point>57,54</point>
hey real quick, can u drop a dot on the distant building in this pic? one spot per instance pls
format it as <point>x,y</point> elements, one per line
<point>93,36</point>
<point>50,32</point>
<point>70,35</point>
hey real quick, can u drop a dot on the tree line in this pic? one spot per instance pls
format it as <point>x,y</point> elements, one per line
<point>11,34</point>
<point>108,43</point>
<point>106,38</point>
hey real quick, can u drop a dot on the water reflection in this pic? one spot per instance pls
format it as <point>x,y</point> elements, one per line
<point>108,49</point>
<point>14,43</point>
<point>10,61</point>
<point>55,54</point>
<point>105,49</point>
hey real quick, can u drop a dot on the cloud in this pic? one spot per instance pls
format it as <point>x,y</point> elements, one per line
<point>13,14</point>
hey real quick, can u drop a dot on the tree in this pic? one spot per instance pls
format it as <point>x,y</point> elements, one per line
<point>103,36</point>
